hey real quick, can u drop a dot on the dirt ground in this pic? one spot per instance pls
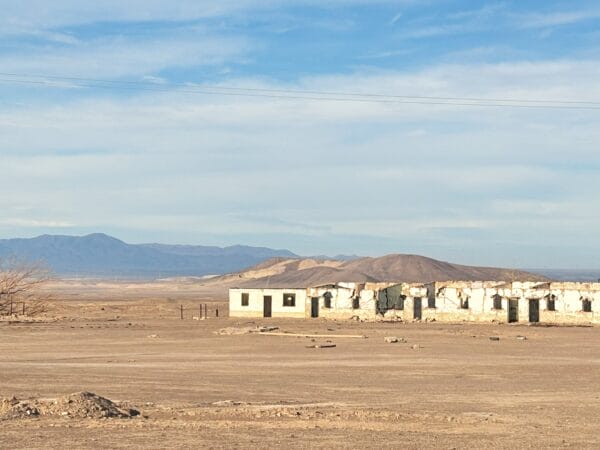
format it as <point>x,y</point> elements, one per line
<point>447,386</point>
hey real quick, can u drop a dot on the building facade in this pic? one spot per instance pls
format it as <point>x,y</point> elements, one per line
<point>449,301</point>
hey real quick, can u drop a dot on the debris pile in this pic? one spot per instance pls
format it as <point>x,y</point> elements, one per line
<point>393,339</point>
<point>80,405</point>
<point>12,408</point>
<point>246,330</point>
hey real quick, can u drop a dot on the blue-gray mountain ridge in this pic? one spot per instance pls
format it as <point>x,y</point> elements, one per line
<point>101,255</point>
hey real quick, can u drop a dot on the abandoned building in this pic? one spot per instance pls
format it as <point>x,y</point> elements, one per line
<point>448,301</point>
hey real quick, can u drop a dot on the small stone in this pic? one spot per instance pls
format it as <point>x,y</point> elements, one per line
<point>390,339</point>
<point>494,338</point>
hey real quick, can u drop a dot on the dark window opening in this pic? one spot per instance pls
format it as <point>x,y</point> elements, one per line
<point>464,303</point>
<point>327,300</point>
<point>289,299</point>
<point>586,305</point>
<point>355,303</point>
<point>400,302</point>
<point>245,299</point>
<point>431,302</point>
<point>497,302</point>
<point>550,304</point>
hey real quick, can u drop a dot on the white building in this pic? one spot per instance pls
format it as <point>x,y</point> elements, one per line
<point>449,301</point>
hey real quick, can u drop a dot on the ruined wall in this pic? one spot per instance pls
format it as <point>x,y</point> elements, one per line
<point>452,301</point>
<point>467,301</point>
<point>567,298</point>
<point>346,300</point>
<point>405,310</point>
<point>480,306</point>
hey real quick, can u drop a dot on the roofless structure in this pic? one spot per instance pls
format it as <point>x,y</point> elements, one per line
<point>448,301</point>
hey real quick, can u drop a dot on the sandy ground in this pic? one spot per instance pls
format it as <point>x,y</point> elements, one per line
<point>448,386</point>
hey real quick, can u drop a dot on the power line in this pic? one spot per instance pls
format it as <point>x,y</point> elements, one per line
<point>311,95</point>
<point>299,91</point>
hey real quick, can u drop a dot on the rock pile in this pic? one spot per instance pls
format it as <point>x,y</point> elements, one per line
<point>79,405</point>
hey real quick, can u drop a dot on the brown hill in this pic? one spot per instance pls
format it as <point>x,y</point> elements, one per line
<point>280,272</point>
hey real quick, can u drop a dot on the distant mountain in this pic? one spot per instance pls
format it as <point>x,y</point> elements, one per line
<point>102,255</point>
<point>281,272</point>
<point>589,275</point>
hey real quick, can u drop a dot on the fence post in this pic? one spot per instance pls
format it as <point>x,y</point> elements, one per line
<point>217,312</point>
<point>23,308</point>
<point>206,310</point>
<point>11,306</point>
<point>181,310</point>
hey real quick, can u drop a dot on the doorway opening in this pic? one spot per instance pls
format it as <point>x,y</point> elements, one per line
<point>417,308</point>
<point>513,310</point>
<point>267,304</point>
<point>534,310</point>
<point>314,307</point>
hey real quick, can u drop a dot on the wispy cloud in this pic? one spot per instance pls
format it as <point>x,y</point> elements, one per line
<point>126,56</point>
<point>35,223</point>
<point>553,19</point>
<point>396,19</point>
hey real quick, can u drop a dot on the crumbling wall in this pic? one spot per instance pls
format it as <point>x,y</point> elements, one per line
<point>450,301</point>
<point>344,301</point>
<point>402,306</point>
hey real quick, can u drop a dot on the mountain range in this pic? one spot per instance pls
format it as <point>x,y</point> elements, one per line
<point>100,255</point>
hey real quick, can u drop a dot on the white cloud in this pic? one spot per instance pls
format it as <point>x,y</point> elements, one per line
<point>181,162</point>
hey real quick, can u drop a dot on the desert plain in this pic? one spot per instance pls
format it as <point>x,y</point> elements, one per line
<point>442,386</point>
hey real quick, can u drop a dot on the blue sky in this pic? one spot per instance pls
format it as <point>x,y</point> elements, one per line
<point>149,160</point>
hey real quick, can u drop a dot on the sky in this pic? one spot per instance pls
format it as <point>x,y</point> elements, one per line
<point>158,121</point>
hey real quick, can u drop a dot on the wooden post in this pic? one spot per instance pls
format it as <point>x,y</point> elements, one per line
<point>23,308</point>
<point>217,312</point>
<point>181,310</point>
<point>11,305</point>
<point>206,311</point>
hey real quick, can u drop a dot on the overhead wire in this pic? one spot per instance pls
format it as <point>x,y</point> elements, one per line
<point>295,94</point>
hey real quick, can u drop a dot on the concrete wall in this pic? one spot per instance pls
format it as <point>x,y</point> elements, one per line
<point>411,292</point>
<point>256,303</point>
<point>480,296</point>
<point>452,301</point>
<point>342,302</point>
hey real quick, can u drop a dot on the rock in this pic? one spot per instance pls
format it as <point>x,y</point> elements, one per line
<point>522,338</point>
<point>391,339</point>
<point>494,338</point>
<point>416,347</point>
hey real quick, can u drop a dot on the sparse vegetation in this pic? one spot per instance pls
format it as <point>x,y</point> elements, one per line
<point>20,284</point>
